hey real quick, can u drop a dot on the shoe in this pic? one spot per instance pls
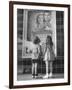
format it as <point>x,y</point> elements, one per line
<point>36,77</point>
<point>50,75</point>
<point>33,76</point>
<point>46,76</point>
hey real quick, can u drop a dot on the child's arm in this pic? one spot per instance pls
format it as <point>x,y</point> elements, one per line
<point>54,50</point>
<point>43,49</point>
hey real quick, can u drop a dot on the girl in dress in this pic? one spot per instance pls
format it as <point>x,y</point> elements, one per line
<point>49,56</point>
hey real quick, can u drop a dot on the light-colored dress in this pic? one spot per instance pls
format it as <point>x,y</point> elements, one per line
<point>49,55</point>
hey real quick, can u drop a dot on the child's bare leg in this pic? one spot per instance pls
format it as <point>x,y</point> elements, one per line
<point>33,71</point>
<point>46,76</point>
<point>47,67</point>
<point>51,69</point>
<point>36,73</point>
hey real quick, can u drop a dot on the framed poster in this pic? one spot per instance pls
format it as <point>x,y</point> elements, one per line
<point>40,29</point>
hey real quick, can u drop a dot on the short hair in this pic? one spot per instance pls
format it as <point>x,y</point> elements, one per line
<point>36,40</point>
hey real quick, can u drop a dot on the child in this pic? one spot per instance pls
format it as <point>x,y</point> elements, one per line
<point>35,54</point>
<point>49,55</point>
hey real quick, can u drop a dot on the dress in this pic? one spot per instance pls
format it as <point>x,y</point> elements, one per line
<point>49,55</point>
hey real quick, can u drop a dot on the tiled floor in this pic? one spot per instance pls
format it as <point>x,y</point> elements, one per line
<point>40,76</point>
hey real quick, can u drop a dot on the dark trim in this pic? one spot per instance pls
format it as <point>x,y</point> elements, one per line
<point>11,3</point>
<point>10,45</point>
<point>39,4</point>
